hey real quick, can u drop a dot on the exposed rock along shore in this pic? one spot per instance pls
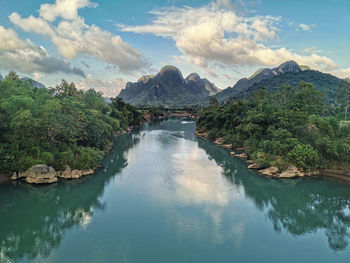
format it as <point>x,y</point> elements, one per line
<point>44,174</point>
<point>273,172</point>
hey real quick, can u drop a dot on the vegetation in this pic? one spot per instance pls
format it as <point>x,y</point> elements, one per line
<point>290,126</point>
<point>60,126</point>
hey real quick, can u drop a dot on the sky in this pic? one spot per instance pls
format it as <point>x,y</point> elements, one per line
<point>104,44</point>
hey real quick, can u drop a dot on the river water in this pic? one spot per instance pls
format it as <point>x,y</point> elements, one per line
<point>164,195</point>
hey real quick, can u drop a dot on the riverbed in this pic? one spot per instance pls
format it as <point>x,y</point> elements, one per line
<point>164,195</point>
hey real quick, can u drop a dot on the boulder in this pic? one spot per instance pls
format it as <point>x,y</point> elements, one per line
<point>219,141</point>
<point>68,173</point>
<point>14,176</point>
<point>232,153</point>
<point>254,166</point>
<point>250,161</point>
<point>271,171</point>
<point>242,155</point>
<point>40,174</point>
<point>291,172</point>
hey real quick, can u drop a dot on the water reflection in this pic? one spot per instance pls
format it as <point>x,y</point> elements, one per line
<point>174,194</point>
<point>54,209</point>
<point>298,206</point>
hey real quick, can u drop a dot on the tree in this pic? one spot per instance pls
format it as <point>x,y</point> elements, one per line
<point>343,96</point>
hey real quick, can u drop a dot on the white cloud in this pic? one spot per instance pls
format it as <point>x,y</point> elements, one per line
<point>305,27</point>
<point>26,57</point>
<point>311,50</point>
<point>108,88</point>
<point>342,73</point>
<point>215,34</point>
<point>61,24</point>
<point>67,9</point>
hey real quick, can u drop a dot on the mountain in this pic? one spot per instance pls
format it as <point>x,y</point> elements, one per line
<point>168,88</point>
<point>34,83</point>
<point>326,83</point>
<point>262,74</point>
<point>200,86</point>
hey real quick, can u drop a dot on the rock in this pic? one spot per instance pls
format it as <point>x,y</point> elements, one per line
<point>254,166</point>
<point>291,172</point>
<point>219,141</point>
<point>68,173</point>
<point>241,149</point>
<point>242,155</point>
<point>201,134</point>
<point>271,171</point>
<point>227,146</point>
<point>250,161</point>
<point>40,174</point>
<point>14,176</point>
<point>232,153</point>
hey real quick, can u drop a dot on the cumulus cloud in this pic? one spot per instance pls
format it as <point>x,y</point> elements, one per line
<point>26,57</point>
<point>108,88</point>
<point>217,34</point>
<point>342,73</point>
<point>61,23</point>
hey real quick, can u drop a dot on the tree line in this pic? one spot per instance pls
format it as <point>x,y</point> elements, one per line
<point>290,126</point>
<point>58,126</point>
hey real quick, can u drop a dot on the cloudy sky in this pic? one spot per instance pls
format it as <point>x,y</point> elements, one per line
<point>106,43</point>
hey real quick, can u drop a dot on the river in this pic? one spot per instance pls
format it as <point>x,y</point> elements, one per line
<point>164,195</point>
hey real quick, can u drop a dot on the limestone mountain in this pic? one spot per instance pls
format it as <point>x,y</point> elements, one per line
<point>262,74</point>
<point>34,83</point>
<point>326,83</point>
<point>168,88</point>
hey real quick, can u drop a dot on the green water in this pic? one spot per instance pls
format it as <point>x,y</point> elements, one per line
<point>163,195</point>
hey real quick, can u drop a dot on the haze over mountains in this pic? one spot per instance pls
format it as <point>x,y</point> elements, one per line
<point>169,88</point>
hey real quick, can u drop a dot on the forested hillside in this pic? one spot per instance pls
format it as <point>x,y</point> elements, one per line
<point>58,127</point>
<point>286,127</point>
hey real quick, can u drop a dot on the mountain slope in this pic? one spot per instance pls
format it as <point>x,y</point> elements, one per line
<point>326,83</point>
<point>168,88</point>
<point>34,83</point>
<point>258,76</point>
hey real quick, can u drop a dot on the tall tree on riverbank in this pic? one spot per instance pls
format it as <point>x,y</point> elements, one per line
<point>343,96</point>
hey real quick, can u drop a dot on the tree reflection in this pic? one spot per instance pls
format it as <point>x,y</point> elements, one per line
<point>33,219</point>
<point>298,206</point>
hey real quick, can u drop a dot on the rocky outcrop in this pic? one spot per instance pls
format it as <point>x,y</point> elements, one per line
<point>242,156</point>
<point>44,174</point>
<point>291,172</point>
<point>38,174</point>
<point>254,166</point>
<point>271,171</point>
<point>68,173</point>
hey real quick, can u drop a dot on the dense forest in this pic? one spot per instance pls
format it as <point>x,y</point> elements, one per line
<point>290,126</point>
<point>58,126</point>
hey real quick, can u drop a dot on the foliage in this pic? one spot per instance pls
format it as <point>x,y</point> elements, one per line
<point>57,126</point>
<point>289,126</point>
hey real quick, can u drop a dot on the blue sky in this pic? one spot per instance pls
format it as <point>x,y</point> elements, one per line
<point>104,44</point>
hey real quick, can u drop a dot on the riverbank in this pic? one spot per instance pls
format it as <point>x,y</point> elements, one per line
<point>149,117</point>
<point>45,174</point>
<point>273,172</point>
